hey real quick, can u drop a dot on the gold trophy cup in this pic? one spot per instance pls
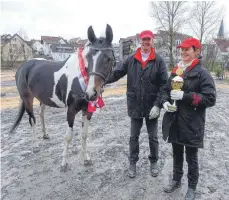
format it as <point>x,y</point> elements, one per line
<point>176,83</point>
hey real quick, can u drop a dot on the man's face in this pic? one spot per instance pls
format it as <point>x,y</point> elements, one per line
<point>146,43</point>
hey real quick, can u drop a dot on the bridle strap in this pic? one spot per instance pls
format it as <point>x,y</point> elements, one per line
<point>101,49</point>
<point>99,74</point>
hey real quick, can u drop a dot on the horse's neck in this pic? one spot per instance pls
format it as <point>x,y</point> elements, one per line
<point>73,61</point>
<point>73,70</point>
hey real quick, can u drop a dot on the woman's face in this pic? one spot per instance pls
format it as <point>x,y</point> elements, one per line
<point>188,54</point>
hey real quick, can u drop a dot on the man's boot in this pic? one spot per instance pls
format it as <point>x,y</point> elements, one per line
<point>132,170</point>
<point>191,194</point>
<point>154,169</point>
<point>172,186</point>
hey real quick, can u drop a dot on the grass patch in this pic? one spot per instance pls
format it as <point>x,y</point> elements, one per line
<point>9,89</point>
<point>13,102</point>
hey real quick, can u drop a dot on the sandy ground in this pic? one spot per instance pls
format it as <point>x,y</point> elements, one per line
<point>29,176</point>
<point>6,75</point>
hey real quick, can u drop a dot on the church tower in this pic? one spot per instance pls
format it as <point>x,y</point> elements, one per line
<point>221,31</point>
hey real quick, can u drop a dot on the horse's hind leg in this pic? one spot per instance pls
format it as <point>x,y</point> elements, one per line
<point>41,113</point>
<point>86,116</point>
<point>28,103</point>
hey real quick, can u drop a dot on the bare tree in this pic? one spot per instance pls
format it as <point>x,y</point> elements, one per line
<point>226,35</point>
<point>170,16</point>
<point>205,19</point>
<point>25,52</point>
<point>23,34</point>
<point>14,54</point>
<point>213,60</point>
<point>1,54</point>
<point>210,53</point>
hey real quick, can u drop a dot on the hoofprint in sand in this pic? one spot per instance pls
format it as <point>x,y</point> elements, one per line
<point>26,175</point>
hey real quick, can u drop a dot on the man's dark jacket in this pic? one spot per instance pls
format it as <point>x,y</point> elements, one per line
<point>144,84</point>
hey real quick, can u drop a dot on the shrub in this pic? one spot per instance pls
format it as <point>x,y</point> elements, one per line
<point>218,71</point>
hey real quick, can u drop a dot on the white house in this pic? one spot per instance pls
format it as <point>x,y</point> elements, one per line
<point>15,49</point>
<point>47,41</point>
<point>61,52</point>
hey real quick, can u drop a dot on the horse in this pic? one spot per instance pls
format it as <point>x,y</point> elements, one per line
<point>73,83</point>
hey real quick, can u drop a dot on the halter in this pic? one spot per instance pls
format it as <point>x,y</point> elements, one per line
<point>113,64</point>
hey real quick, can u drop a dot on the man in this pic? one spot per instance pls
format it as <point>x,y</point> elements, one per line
<point>146,75</point>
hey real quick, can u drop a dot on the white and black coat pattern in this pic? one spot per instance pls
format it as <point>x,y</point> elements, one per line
<point>60,84</point>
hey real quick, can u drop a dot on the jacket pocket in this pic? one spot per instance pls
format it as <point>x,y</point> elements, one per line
<point>131,100</point>
<point>195,124</point>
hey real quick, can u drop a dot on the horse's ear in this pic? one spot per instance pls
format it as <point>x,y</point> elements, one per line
<point>109,33</point>
<point>91,34</point>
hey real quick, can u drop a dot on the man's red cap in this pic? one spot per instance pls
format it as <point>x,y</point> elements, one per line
<point>190,42</point>
<point>146,34</point>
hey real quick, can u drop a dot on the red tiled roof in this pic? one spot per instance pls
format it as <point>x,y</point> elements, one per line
<point>84,41</point>
<point>50,39</point>
<point>222,44</point>
<point>80,43</point>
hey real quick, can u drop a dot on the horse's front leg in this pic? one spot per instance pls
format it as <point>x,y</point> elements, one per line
<point>71,113</point>
<point>86,116</point>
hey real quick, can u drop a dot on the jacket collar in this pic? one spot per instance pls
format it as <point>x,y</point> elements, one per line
<point>138,56</point>
<point>194,63</point>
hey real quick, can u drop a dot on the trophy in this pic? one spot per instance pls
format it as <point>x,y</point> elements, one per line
<point>176,83</point>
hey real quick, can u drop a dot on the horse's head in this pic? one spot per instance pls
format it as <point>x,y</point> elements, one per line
<point>100,60</point>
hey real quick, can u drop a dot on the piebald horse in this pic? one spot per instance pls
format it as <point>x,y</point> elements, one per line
<point>66,84</point>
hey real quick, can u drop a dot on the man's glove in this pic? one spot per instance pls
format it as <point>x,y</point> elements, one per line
<point>165,106</point>
<point>154,113</point>
<point>177,94</point>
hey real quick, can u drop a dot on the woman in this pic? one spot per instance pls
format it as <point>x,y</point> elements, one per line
<point>186,125</point>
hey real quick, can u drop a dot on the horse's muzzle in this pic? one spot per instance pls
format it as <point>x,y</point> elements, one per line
<point>92,97</point>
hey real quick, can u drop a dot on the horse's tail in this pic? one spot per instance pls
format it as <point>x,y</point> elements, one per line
<point>21,112</point>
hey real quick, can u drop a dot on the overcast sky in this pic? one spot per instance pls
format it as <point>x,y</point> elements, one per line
<point>71,18</point>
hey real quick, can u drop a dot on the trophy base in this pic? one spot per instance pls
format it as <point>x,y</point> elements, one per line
<point>172,108</point>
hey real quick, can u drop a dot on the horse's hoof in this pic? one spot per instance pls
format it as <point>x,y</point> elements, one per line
<point>46,137</point>
<point>36,149</point>
<point>88,162</point>
<point>64,168</point>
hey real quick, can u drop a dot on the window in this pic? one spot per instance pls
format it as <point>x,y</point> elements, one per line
<point>178,42</point>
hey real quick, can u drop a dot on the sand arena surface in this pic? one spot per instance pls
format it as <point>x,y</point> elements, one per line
<point>26,175</point>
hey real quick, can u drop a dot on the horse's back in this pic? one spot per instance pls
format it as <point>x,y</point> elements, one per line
<point>38,77</point>
<point>34,65</point>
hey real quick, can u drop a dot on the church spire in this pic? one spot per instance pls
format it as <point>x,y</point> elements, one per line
<point>221,30</point>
